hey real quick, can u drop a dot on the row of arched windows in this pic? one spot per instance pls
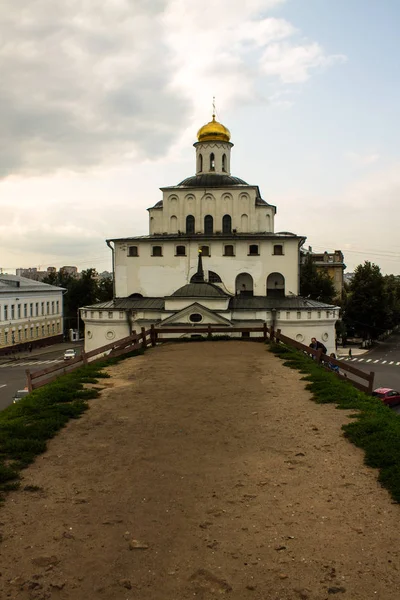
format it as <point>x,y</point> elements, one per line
<point>209,224</point>
<point>212,162</point>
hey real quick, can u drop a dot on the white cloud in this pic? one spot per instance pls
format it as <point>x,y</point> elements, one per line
<point>362,160</point>
<point>86,84</point>
<point>293,63</point>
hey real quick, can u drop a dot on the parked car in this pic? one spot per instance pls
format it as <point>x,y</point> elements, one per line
<point>70,354</point>
<point>20,394</point>
<point>388,396</point>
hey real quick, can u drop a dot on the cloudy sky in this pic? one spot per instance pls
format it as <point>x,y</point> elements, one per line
<point>100,103</point>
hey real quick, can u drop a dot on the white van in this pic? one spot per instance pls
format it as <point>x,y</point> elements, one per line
<point>20,394</point>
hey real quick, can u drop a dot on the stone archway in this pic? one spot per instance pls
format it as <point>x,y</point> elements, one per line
<point>244,285</point>
<point>276,285</point>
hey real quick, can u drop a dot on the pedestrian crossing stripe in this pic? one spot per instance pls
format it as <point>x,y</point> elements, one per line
<point>376,361</point>
<point>30,363</point>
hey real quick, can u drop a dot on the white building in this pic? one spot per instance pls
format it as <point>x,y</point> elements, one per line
<point>248,274</point>
<point>31,312</point>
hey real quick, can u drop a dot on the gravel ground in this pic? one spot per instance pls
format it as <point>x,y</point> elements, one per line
<point>204,469</point>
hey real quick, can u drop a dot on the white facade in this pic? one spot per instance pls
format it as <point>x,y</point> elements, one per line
<point>29,311</point>
<point>249,274</point>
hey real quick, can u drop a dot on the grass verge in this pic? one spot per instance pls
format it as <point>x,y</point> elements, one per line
<point>25,427</point>
<point>375,427</point>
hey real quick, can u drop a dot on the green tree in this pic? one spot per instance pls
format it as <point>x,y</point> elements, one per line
<point>392,288</point>
<point>366,306</point>
<point>314,284</point>
<point>82,291</point>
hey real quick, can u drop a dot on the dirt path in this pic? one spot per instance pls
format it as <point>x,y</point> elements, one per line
<point>203,470</point>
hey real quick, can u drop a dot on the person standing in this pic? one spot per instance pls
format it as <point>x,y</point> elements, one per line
<point>317,345</point>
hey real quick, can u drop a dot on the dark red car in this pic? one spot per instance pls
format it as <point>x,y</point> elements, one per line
<point>388,396</point>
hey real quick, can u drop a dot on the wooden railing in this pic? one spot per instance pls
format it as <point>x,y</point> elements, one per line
<point>152,337</point>
<point>325,360</point>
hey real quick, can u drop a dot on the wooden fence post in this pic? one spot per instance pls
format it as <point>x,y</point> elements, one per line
<point>144,342</point>
<point>84,358</point>
<point>318,356</point>
<point>272,334</point>
<point>209,334</point>
<point>28,380</point>
<point>153,335</point>
<point>278,335</point>
<point>371,382</point>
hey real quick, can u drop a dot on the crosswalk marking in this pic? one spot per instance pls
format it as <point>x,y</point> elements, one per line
<point>369,360</point>
<point>30,363</point>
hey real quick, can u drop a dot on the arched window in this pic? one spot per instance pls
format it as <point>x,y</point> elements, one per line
<point>244,223</point>
<point>208,224</point>
<point>244,285</point>
<point>190,224</point>
<point>276,285</point>
<point>214,277</point>
<point>200,162</point>
<point>224,163</point>
<point>212,162</point>
<point>226,224</point>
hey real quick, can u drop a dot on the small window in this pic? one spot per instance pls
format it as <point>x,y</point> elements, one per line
<point>205,250</point>
<point>253,250</point>
<point>100,314</point>
<point>328,314</point>
<point>157,251</point>
<point>224,163</point>
<point>133,251</point>
<point>121,314</point>
<point>309,314</point>
<point>278,314</point>
<point>278,249</point>
<point>92,314</point>
<point>110,314</point>
<point>212,162</point>
<point>181,251</point>
<point>288,315</point>
<point>299,314</point>
<point>228,250</point>
<point>195,318</point>
<point>319,314</point>
<point>200,162</point>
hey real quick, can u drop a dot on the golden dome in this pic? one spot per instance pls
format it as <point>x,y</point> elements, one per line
<point>213,131</point>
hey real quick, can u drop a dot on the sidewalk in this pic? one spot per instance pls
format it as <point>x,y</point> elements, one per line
<point>344,352</point>
<point>39,352</point>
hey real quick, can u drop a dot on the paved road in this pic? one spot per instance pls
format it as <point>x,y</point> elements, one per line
<point>384,360</point>
<point>12,373</point>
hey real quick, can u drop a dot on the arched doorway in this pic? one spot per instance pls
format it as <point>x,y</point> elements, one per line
<point>276,285</point>
<point>244,285</point>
